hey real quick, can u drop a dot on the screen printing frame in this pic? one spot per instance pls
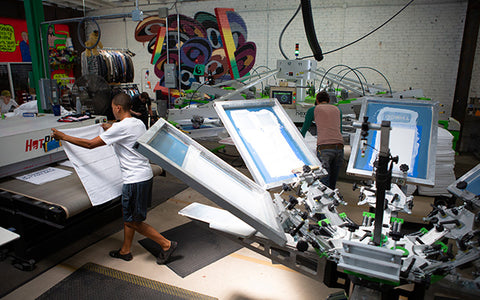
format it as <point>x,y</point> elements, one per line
<point>424,158</point>
<point>260,169</point>
<point>186,159</point>
<point>472,178</point>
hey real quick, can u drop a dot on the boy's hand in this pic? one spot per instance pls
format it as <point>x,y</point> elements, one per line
<point>105,126</point>
<point>58,135</point>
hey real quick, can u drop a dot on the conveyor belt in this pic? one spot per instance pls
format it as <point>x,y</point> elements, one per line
<point>53,201</point>
<point>50,216</point>
<point>66,194</point>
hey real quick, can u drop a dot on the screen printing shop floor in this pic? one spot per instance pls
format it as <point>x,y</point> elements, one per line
<point>241,275</point>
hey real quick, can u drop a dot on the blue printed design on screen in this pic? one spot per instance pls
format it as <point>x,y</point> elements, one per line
<point>473,183</point>
<point>417,129</point>
<point>266,175</point>
<point>170,146</point>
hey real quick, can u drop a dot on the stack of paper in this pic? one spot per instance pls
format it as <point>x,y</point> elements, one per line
<point>444,164</point>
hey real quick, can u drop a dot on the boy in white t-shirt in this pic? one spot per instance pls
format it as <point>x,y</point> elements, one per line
<point>136,174</point>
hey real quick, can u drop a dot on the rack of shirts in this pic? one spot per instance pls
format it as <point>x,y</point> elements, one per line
<point>115,66</point>
<point>128,88</point>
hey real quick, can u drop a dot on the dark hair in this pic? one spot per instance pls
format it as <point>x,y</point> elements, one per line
<point>123,100</point>
<point>144,95</point>
<point>323,97</point>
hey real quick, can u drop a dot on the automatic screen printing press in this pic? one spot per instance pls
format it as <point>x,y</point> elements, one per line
<point>46,202</point>
<point>286,214</point>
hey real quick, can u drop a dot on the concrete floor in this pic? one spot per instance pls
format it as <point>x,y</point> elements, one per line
<point>241,275</point>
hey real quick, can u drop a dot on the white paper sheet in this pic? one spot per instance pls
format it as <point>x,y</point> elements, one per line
<point>98,169</point>
<point>66,163</point>
<point>44,175</point>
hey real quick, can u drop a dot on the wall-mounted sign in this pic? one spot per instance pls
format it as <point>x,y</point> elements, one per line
<point>14,46</point>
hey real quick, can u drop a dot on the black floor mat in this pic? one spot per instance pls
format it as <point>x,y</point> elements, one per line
<point>197,248</point>
<point>93,281</point>
<point>11,278</point>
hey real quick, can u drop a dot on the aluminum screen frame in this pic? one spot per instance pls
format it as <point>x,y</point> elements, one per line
<point>295,149</point>
<point>472,178</point>
<point>401,112</point>
<point>168,147</point>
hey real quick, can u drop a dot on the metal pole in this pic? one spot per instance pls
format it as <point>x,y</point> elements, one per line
<point>34,16</point>
<point>10,80</point>
<point>243,78</point>
<point>381,181</point>
<point>178,48</point>
<point>465,67</point>
<point>79,19</point>
<point>226,96</point>
<point>168,54</point>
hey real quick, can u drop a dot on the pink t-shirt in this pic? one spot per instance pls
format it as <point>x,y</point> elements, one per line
<point>327,119</point>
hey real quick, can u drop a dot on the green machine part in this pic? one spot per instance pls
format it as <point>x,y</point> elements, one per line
<point>34,16</point>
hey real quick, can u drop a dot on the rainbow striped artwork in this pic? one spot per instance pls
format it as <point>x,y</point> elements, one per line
<point>218,41</point>
<point>157,51</point>
<point>227,39</point>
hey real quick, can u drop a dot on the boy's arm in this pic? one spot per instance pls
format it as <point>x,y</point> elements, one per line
<point>85,143</point>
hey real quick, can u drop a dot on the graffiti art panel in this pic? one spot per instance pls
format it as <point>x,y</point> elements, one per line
<point>218,43</point>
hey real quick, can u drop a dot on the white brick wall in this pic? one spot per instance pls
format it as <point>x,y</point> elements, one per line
<point>419,48</point>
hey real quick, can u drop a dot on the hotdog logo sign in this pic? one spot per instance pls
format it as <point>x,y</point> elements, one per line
<point>32,144</point>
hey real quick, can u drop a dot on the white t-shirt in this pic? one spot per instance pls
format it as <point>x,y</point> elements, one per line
<point>7,107</point>
<point>122,136</point>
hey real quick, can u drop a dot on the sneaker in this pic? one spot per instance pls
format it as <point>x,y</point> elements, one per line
<point>116,254</point>
<point>164,256</point>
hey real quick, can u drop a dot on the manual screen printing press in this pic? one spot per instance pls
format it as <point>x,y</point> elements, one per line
<point>285,213</point>
<point>249,208</point>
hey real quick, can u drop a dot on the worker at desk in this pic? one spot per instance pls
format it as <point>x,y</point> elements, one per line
<point>328,119</point>
<point>136,174</point>
<point>7,104</point>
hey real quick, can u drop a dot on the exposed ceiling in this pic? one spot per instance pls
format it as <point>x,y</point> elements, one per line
<point>89,5</point>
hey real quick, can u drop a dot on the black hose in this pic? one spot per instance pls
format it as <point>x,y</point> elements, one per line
<point>310,29</point>
<point>361,38</point>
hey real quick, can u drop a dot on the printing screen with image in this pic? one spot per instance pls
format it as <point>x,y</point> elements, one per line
<point>404,136</point>
<point>410,137</point>
<point>274,152</point>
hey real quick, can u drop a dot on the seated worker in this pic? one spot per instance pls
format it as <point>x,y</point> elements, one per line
<point>136,174</point>
<point>142,107</point>
<point>328,120</point>
<point>7,104</point>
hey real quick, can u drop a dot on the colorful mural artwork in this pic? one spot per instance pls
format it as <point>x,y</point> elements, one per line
<point>14,46</point>
<point>61,58</point>
<point>216,44</point>
<point>57,35</point>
